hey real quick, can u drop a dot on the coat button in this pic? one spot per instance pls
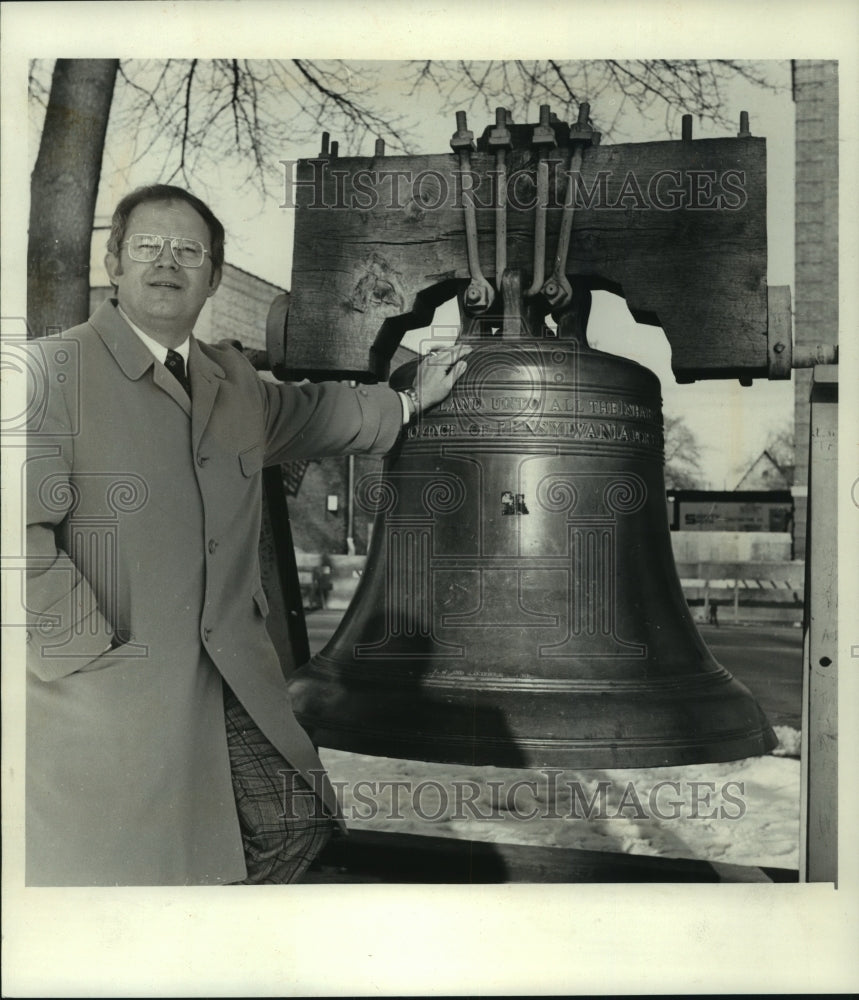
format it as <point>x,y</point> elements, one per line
<point>202,459</point>
<point>212,546</point>
<point>206,633</point>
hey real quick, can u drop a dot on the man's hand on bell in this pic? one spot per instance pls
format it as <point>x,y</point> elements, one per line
<point>437,373</point>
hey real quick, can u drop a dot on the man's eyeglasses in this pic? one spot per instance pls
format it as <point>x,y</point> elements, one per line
<point>144,248</point>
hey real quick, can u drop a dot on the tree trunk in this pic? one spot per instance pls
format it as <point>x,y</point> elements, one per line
<point>63,190</point>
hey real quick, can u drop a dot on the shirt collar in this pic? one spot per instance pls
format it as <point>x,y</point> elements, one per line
<point>159,350</point>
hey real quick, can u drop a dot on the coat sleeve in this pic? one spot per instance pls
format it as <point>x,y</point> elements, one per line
<point>65,627</point>
<point>328,418</point>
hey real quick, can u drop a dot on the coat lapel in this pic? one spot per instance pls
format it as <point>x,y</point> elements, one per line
<point>206,377</point>
<point>164,380</point>
<point>132,355</point>
<point>128,350</point>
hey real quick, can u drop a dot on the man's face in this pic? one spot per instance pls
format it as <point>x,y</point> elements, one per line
<point>163,298</point>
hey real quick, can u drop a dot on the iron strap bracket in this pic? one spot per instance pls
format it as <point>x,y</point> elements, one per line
<point>479,294</point>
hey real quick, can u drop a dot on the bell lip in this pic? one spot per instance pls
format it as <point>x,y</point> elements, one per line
<point>341,718</point>
<point>541,754</point>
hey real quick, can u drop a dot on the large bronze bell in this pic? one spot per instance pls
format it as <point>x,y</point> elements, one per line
<point>520,604</point>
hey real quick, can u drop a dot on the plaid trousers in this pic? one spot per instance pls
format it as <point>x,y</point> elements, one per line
<point>283,823</point>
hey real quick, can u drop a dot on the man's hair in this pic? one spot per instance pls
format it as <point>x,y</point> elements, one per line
<point>166,192</point>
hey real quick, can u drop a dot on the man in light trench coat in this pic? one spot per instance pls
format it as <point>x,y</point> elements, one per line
<point>161,746</point>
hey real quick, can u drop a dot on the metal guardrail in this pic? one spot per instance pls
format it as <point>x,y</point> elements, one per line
<point>776,573</point>
<point>746,585</point>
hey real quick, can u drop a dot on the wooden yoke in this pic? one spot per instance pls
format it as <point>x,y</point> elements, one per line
<point>677,228</point>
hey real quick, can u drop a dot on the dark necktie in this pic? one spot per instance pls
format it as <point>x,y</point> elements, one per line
<point>175,364</point>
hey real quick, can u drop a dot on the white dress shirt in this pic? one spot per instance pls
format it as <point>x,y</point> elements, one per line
<point>159,350</point>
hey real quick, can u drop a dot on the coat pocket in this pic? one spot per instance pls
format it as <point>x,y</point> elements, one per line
<point>108,658</point>
<point>261,602</point>
<point>250,460</point>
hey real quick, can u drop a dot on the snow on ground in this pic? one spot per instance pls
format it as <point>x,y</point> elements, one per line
<point>743,812</point>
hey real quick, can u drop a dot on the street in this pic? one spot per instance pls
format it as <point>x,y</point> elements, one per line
<point>768,660</point>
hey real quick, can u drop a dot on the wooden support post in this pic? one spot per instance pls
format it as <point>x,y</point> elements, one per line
<point>818,855</point>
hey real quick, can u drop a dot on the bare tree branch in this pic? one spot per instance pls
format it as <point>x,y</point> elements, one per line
<point>647,88</point>
<point>683,469</point>
<point>194,116</point>
<point>186,120</point>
